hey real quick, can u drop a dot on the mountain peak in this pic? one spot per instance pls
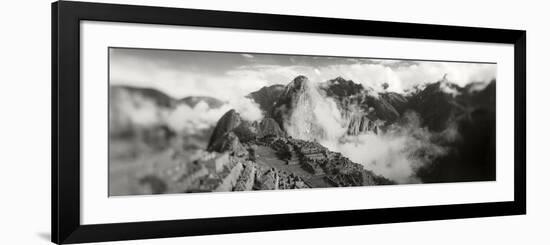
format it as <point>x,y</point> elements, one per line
<point>267,96</point>
<point>300,78</point>
<point>298,83</point>
<point>447,86</point>
<point>229,121</point>
<point>296,87</point>
<point>340,87</point>
<point>339,79</point>
<point>269,127</point>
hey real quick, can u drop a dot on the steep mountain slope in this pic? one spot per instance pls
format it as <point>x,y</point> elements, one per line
<point>384,106</point>
<point>340,88</point>
<point>268,127</point>
<point>306,161</point>
<point>470,116</point>
<point>288,98</point>
<point>361,107</point>
<point>267,96</point>
<point>461,120</point>
<point>399,102</point>
<point>229,132</point>
<point>304,112</point>
<point>437,107</point>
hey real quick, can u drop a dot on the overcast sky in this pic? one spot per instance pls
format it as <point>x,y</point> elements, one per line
<point>230,75</point>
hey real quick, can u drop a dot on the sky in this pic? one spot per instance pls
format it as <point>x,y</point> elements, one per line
<point>227,76</point>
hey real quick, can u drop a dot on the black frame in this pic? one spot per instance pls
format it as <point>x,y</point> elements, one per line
<point>65,162</point>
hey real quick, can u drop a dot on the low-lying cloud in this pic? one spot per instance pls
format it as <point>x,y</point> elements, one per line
<point>314,116</point>
<point>396,153</point>
<point>201,116</point>
<point>253,71</point>
<point>137,110</point>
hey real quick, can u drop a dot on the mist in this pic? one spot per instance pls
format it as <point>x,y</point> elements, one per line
<point>137,110</point>
<point>189,119</point>
<point>315,116</point>
<point>396,153</point>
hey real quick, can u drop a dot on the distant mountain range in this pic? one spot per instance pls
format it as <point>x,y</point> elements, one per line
<point>161,99</point>
<point>435,106</point>
<point>465,113</point>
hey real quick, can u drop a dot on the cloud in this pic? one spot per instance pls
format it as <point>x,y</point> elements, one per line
<point>403,78</point>
<point>396,153</point>
<point>400,78</point>
<point>247,108</point>
<point>182,83</point>
<point>131,109</point>
<point>229,75</point>
<point>201,116</point>
<point>127,108</point>
<point>189,119</point>
<point>314,116</point>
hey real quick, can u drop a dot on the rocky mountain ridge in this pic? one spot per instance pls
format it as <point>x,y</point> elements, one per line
<point>462,119</point>
<point>320,167</point>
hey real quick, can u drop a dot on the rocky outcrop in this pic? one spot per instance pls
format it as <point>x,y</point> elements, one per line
<point>229,121</point>
<point>230,179</point>
<point>215,162</point>
<point>188,180</point>
<point>363,108</point>
<point>399,102</point>
<point>268,180</point>
<point>359,124</point>
<point>341,88</point>
<point>246,179</point>
<point>286,102</point>
<point>317,160</point>
<point>229,132</point>
<point>284,150</point>
<point>246,132</point>
<point>290,181</point>
<point>228,142</point>
<point>352,96</point>
<point>266,97</point>
<point>268,127</point>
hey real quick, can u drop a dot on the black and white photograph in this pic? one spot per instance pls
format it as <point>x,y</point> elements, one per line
<point>275,122</point>
<point>189,121</point>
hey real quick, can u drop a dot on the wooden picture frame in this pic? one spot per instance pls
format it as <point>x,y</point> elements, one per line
<point>66,171</point>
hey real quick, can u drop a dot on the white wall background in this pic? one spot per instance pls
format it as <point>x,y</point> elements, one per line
<point>25,121</point>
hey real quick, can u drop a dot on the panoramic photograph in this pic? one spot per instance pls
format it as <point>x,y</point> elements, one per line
<point>184,121</point>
